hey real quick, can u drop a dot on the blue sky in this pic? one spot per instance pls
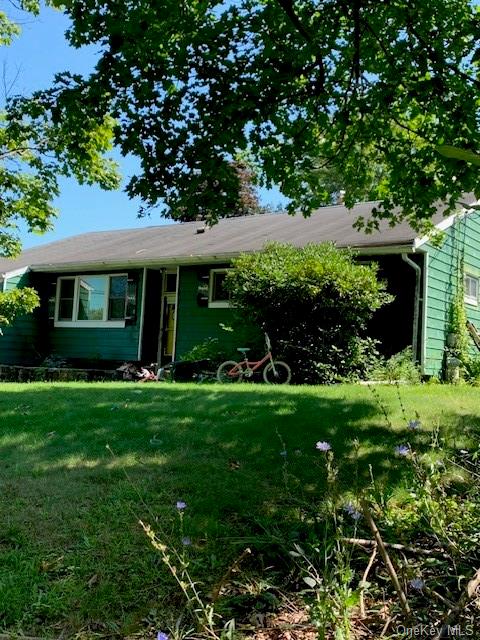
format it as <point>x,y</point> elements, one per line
<point>39,53</point>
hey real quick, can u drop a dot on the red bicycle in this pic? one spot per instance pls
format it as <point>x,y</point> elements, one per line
<point>275,372</point>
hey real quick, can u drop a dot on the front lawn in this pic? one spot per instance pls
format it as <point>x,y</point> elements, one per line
<point>73,558</point>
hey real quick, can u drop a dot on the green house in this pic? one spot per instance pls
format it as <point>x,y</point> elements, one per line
<point>150,295</point>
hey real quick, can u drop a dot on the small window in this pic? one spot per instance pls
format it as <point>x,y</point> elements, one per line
<point>65,298</point>
<point>471,289</point>
<point>218,295</point>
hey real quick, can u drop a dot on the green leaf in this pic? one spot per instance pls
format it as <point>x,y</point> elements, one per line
<point>465,155</point>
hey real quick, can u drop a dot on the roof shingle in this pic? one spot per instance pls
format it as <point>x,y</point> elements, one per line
<point>231,236</point>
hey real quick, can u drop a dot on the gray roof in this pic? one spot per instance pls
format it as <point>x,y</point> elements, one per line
<point>181,243</point>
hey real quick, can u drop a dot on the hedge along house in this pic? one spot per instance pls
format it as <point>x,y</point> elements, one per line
<point>152,294</point>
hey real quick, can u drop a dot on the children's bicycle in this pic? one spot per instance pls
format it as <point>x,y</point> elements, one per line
<point>275,372</point>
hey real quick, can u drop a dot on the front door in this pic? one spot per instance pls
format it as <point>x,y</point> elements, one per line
<point>166,346</point>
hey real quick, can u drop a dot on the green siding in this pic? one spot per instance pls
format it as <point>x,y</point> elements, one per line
<point>32,338</point>
<point>95,344</point>
<point>195,323</point>
<point>461,245</point>
<point>99,343</point>
<point>18,343</point>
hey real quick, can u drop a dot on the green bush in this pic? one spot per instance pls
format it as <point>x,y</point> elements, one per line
<point>399,368</point>
<point>314,302</point>
<point>208,349</point>
<point>472,370</point>
<point>17,302</point>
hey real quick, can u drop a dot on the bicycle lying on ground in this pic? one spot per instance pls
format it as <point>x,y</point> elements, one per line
<point>275,372</point>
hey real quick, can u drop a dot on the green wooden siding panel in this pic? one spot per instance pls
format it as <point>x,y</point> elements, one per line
<point>99,343</point>
<point>18,344</point>
<point>32,338</point>
<point>95,344</point>
<point>461,245</point>
<point>196,323</point>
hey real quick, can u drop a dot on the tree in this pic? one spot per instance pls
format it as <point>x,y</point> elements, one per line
<point>314,302</point>
<point>300,84</point>
<point>243,201</point>
<point>15,303</point>
<point>36,148</point>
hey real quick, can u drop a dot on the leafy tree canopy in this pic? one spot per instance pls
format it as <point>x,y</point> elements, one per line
<point>15,303</point>
<point>36,148</point>
<point>241,200</point>
<point>300,84</point>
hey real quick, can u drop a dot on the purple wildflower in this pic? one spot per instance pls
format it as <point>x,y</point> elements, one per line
<point>414,425</point>
<point>323,446</point>
<point>181,505</point>
<point>161,635</point>
<point>402,450</point>
<point>186,541</point>
<point>417,583</point>
<point>352,511</point>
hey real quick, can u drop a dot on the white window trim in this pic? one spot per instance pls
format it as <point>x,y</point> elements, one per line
<point>218,304</point>
<point>87,324</point>
<point>472,299</point>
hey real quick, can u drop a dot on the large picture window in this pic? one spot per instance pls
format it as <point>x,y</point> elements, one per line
<point>95,301</point>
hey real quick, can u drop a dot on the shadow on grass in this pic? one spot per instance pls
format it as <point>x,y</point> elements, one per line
<point>221,449</point>
<point>223,445</point>
<point>187,431</point>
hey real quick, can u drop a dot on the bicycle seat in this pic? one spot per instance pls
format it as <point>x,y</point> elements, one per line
<point>243,349</point>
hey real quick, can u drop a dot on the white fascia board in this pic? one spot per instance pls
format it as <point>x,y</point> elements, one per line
<point>135,264</point>
<point>383,249</point>
<point>446,223</point>
<point>15,272</point>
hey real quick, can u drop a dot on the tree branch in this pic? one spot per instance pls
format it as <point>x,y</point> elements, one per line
<point>288,8</point>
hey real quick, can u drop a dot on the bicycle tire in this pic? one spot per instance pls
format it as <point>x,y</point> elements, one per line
<point>277,372</point>
<point>226,367</point>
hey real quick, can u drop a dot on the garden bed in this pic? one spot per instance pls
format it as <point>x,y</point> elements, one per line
<point>16,373</point>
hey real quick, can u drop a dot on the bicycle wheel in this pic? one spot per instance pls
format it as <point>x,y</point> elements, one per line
<point>229,371</point>
<point>277,372</point>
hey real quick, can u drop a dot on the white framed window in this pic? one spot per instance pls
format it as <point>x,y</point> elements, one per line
<point>471,289</point>
<point>94,300</point>
<point>217,294</point>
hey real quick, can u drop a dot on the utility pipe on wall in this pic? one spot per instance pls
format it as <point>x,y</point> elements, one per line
<point>416,305</point>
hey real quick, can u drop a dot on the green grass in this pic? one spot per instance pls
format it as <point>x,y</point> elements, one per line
<point>73,557</point>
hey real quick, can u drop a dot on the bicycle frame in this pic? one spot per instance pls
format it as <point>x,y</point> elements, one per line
<point>248,367</point>
<point>253,365</point>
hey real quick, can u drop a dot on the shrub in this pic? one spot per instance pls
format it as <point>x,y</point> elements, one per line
<point>16,302</point>
<point>208,349</point>
<point>457,329</point>
<point>398,368</point>
<point>314,302</point>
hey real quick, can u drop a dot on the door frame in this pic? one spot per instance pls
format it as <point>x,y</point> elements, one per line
<point>171,296</point>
